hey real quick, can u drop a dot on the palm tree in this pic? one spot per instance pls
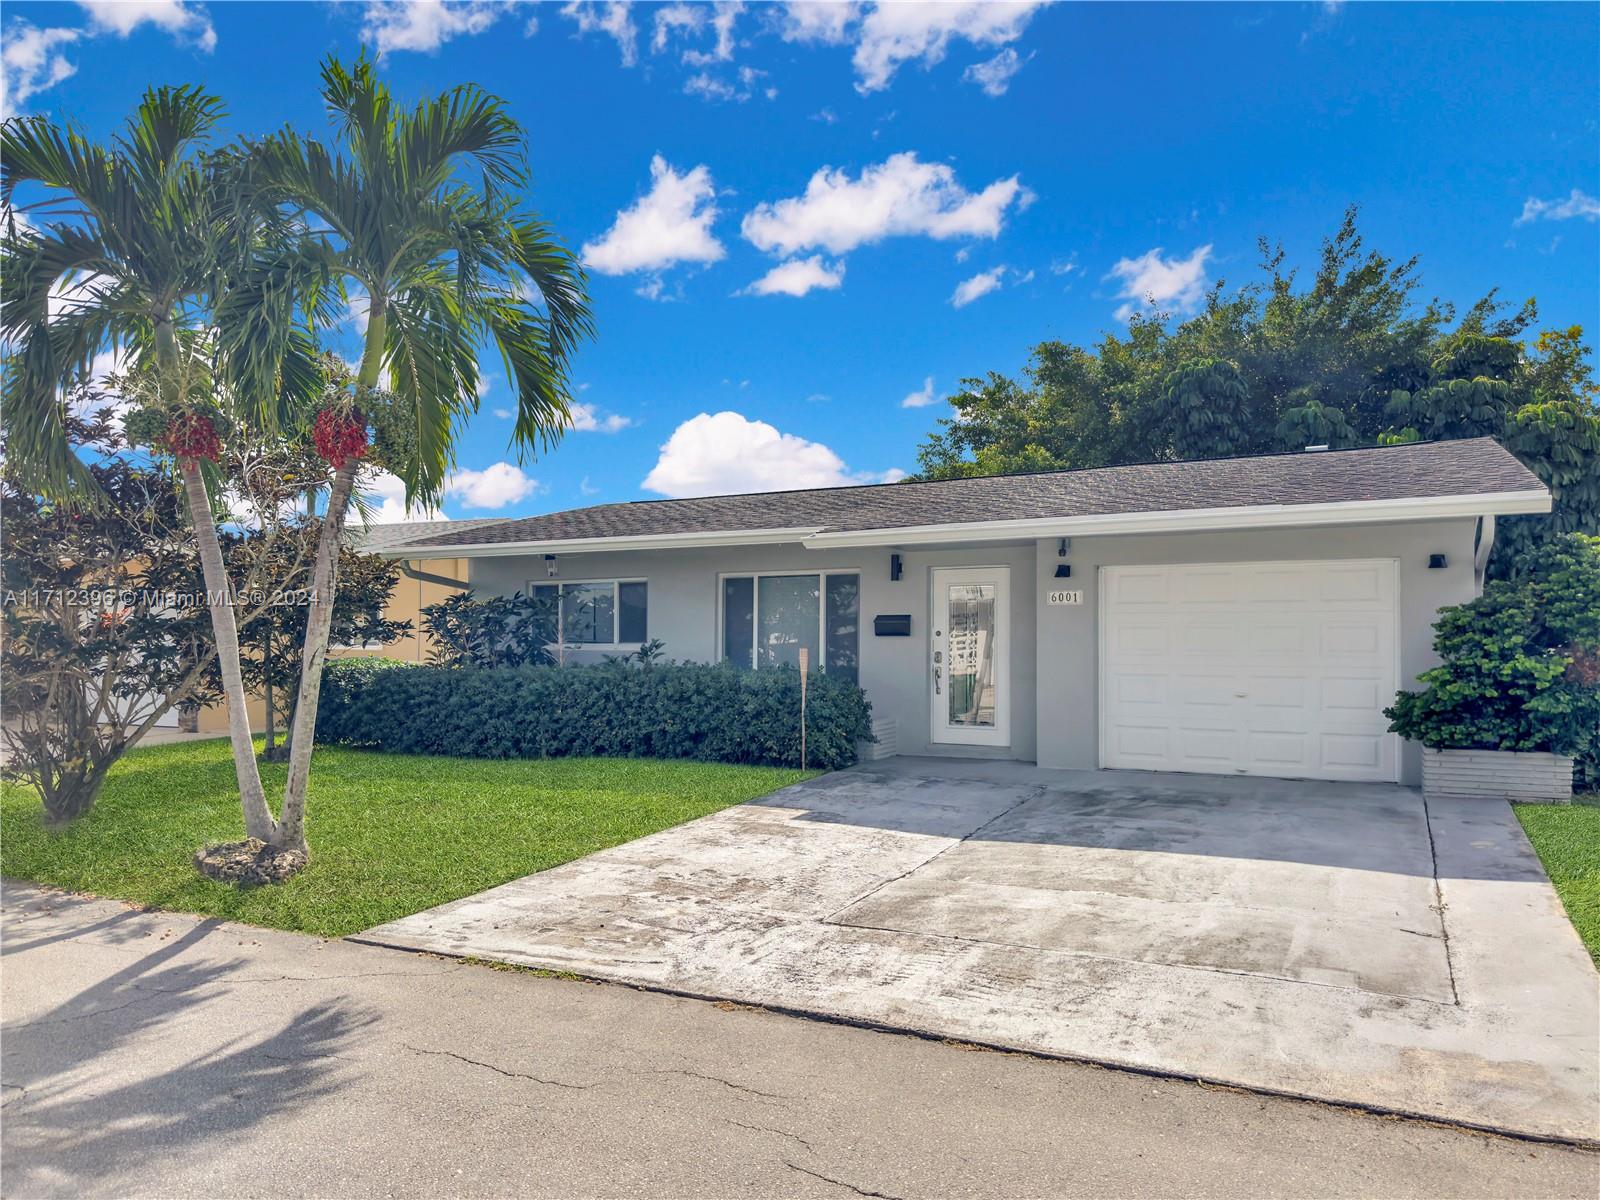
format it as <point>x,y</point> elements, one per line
<point>147,230</point>
<point>419,209</point>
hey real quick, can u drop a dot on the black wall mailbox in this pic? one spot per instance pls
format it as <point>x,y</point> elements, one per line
<point>892,625</point>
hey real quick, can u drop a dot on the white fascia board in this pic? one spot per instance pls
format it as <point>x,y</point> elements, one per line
<point>600,545</point>
<point>1264,516</point>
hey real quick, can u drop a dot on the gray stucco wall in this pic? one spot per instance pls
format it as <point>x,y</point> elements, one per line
<point>1055,720</point>
<point>894,670</point>
<point>1068,637</point>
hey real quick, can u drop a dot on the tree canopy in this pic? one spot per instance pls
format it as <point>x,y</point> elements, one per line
<point>1351,356</point>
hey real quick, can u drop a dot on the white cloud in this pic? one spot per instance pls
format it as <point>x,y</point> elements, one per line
<point>709,87</point>
<point>495,486</point>
<point>825,21</point>
<point>891,35</point>
<point>31,61</point>
<point>614,18</point>
<point>669,224</point>
<point>980,284</point>
<point>1579,204</point>
<point>922,397</point>
<point>798,276</point>
<point>425,25</point>
<point>672,19</point>
<point>1163,283</point>
<point>724,14</point>
<point>901,196</point>
<point>70,295</point>
<point>356,304</point>
<point>727,452</point>
<point>390,493</point>
<point>187,22</point>
<point>587,488</point>
<point>504,414</point>
<point>994,75</point>
<point>586,418</point>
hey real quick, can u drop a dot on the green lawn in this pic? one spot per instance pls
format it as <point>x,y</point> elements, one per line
<point>390,834</point>
<point>1567,837</point>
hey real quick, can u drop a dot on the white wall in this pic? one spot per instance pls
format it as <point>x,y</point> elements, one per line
<point>1068,636</point>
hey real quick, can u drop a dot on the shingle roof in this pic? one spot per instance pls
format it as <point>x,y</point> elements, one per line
<point>1474,467</point>
<point>372,538</point>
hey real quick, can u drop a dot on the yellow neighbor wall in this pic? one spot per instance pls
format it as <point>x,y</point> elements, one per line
<point>406,602</point>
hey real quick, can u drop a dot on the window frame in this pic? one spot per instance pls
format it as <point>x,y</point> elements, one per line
<point>755,577</point>
<point>616,611</point>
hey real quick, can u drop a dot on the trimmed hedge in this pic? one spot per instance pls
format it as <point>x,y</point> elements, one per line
<point>674,710</point>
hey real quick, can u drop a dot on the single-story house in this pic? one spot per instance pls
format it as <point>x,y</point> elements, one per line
<point>1239,616</point>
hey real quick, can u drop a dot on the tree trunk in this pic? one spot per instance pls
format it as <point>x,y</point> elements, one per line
<point>319,620</point>
<point>258,822</point>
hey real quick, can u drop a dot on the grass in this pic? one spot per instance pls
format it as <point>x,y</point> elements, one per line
<point>390,834</point>
<point>1567,838</point>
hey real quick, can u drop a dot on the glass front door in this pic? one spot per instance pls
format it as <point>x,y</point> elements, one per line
<point>969,668</point>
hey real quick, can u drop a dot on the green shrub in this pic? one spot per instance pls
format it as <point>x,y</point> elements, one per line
<point>673,710</point>
<point>1521,667</point>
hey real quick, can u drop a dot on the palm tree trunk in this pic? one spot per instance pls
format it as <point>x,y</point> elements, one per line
<point>319,620</point>
<point>258,822</point>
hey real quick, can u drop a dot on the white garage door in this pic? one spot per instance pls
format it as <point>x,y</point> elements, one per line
<point>1250,668</point>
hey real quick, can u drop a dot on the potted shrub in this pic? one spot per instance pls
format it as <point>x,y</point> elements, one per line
<point>1518,693</point>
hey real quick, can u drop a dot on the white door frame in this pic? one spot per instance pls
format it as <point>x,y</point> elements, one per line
<point>941,732</point>
<point>1102,676</point>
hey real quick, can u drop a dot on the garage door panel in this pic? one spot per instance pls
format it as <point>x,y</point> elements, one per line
<point>1273,669</point>
<point>1208,638</point>
<point>1135,637</point>
<point>1141,587</point>
<point>1360,696</point>
<point>1271,752</point>
<point>1202,748</point>
<point>1352,583</point>
<point>1201,586</point>
<point>1353,751</point>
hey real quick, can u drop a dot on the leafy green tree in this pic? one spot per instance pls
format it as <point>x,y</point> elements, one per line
<point>1347,356</point>
<point>105,628</point>
<point>164,264</point>
<point>1205,408</point>
<point>419,210</point>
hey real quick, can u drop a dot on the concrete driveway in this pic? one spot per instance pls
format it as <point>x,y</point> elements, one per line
<point>1334,941</point>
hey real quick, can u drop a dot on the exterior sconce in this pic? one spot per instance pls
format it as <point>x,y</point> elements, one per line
<point>1064,571</point>
<point>894,568</point>
<point>550,565</point>
<point>1437,562</point>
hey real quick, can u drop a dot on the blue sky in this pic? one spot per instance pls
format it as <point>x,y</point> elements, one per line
<point>945,185</point>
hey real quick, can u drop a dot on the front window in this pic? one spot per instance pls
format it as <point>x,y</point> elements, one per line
<point>768,619</point>
<point>602,613</point>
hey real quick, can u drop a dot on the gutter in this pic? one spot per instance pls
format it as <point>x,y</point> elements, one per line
<point>1258,516</point>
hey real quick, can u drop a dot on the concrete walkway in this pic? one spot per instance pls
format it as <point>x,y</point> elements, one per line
<point>1332,941</point>
<point>148,1054</point>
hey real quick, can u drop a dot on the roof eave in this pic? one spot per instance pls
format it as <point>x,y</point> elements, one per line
<point>651,541</point>
<point>1259,516</point>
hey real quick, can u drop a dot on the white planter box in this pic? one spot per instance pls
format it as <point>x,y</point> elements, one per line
<point>1530,777</point>
<point>887,745</point>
